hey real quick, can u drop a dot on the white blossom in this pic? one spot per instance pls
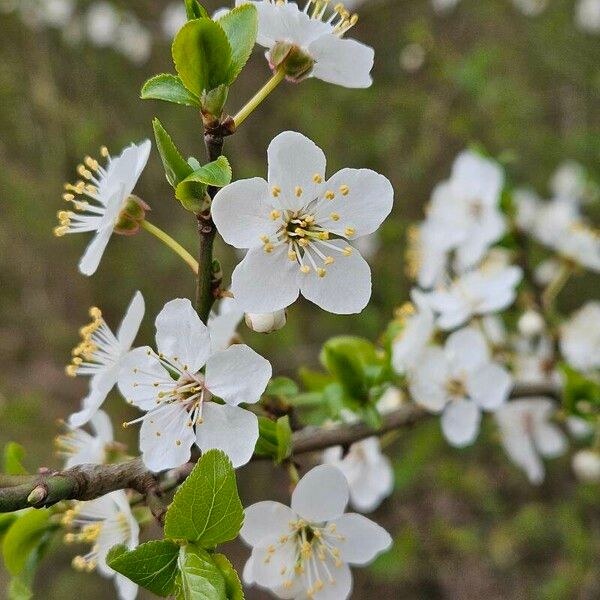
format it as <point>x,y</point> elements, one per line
<point>174,17</point>
<point>297,227</point>
<point>133,40</point>
<point>569,181</point>
<point>534,362</point>
<point>102,23</point>
<point>57,13</point>
<point>587,15</point>
<point>178,397</point>
<point>531,8</point>
<point>305,551</point>
<point>99,197</point>
<point>528,435</point>
<point>104,523</point>
<point>459,381</point>
<point>223,323</point>
<point>99,355</point>
<point>444,6</point>
<point>478,292</point>
<point>531,323</point>
<point>319,33</point>
<point>78,447</point>
<point>368,471</point>
<point>494,330</point>
<point>586,464</point>
<point>580,338</point>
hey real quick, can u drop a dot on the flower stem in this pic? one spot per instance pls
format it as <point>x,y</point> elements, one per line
<point>171,243</point>
<point>554,288</point>
<point>255,101</point>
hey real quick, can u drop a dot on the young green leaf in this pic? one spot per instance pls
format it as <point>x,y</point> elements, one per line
<point>233,585</point>
<point>274,439</point>
<point>13,459</point>
<point>284,438</point>
<point>169,88</point>
<point>152,565</point>
<point>200,578</point>
<point>191,191</point>
<point>241,27</point>
<point>202,55</point>
<point>207,509</point>
<point>23,537</point>
<point>282,387</point>
<point>176,168</point>
<point>195,10</point>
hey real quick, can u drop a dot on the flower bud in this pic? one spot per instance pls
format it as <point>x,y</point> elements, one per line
<point>586,464</point>
<point>531,323</point>
<point>294,61</point>
<point>130,217</point>
<point>266,322</point>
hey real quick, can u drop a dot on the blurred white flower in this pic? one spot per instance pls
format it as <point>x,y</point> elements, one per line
<point>100,354</point>
<point>177,397</point>
<point>368,471</point>
<point>494,330</point>
<point>297,227</point>
<point>57,13</point>
<point>533,362</point>
<point>586,464</point>
<point>531,323</point>
<point>444,6</point>
<point>174,17</point>
<point>580,338</point>
<point>105,522</point>
<point>587,15</point>
<point>459,381</point>
<point>547,271</point>
<point>581,244</point>
<point>318,31</point>
<point>569,181</point>
<point>427,257</point>
<point>102,22</point>
<point>579,428</point>
<point>527,203</point>
<point>391,400</point>
<point>531,8</point>
<point>528,435</point>
<point>133,40</point>
<point>304,551</point>
<point>412,57</point>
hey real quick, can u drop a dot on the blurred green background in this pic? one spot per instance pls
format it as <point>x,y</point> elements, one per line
<point>466,523</point>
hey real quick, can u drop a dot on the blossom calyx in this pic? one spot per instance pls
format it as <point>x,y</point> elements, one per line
<point>131,215</point>
<point>266,322</point>
<point>296,64</point>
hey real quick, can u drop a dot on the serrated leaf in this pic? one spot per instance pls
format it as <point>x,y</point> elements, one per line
<point>23,537</point>
<point>195,10</point>
<point>202,55</point>
<point>207,509</point>
<point>233,585</point>
<point>152,565</point>
<point>241,27</point>
<point>168,88</point>
<point>201,579</point>
<point>176,168</point>
<point>13,459</point>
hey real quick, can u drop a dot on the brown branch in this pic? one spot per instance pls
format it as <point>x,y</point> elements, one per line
<point>86,482</point>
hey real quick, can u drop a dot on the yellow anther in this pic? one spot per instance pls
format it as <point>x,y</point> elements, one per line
<point>305,269</point>
<point>95,312</point>
<point>68,197</point>
<point>299,231</point>
<point>178,442</point>
<point>71,370</point>
<point>275,190</point>
<point>321,272</point>
<point>275,214</point>
<point>298,191</point>
<point>264,239</point>
<point>287,584</point>
<point>60,231</point>
<point>330,195</point>
<point>104,151</point>
<point>158,434</point>
<point>344,190</point>
<point>319,585</point>
<point>91,163</point>
<point>269,248</point>
<point>292,255</point>
<point>334,216</point>
<point>349,231</point>
<point>303,242</point>
<point>323,235</point>
<point>329,260</point>
<point>317,178</point>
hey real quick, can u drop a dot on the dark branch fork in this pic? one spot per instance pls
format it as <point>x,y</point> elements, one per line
<point>86,482</point>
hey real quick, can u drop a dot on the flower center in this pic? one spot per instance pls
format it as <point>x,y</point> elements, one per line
<point>456,387</point>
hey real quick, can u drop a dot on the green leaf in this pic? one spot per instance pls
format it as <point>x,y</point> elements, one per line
<point>241,27</point>
<point>202,55</point>
<point>284,438</point>
<point>13,459</point>
<point>207,509</point>
<point>192,190</point>
<point>274,438</point>
<point>152,565</point>
<point>23,537</point>
<point>201,579</point>
<point>579,391</point>
<point>169,88</point>
<point>233,585</point>
<point>195,10</point>
<point>19,589</point>
<point>176,168</point>
<point>282,387</point>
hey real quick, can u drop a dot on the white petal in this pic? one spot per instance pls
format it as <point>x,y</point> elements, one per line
<point>321,495</point>
<point>264,520</point>
<point>126,589</point>
<point>248,574</point>
<point>125,170</point>
<point>342,61</point>
<point>222,326</point>
<point>363,539</point>
<point>460,422</point>
<point>131,322</point>
<point>265,282</point>
<point>346,287</point>
<point>489,386</point>
<point>238,375</point>
<point>181,335</point>
<point>159,436</point>
<point>271,569</point>
<point>294,160</point>
<point>100,386</point>
<point>241,212</point>
<point>140,371</point>
<point>228,428</point>
<point>550,440</point>
<point>466,350</point>
<point>341,587</point>
<point>376,485</point>
<point>474,176</point>
<point>363,208</point>
<point>102,426</point>
<point>93,253</point>
<point>428,379</point>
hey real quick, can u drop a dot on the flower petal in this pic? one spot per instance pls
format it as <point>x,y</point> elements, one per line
<point>181,336</point>
<point>346,287</point>
<point>238,375</point>
<point>264,520</point>
<point>131,322</point>
<point>466,350</point>
<point>294,160</point>
<point>321,495</point>
<point>241,212</point>
<point>93,253</point>
<point>228,428</point>
<point>460,422</point>
<point>263,282</point>
<point>102,426</point>
<point>342,61</point>
<point>489,386</point>
<point>166,438</point>
<point>367,200</point>
<point>549,440</point>
<point>272,569</point>
<point>126,589</point>
<point>100,387</point>
<point>363,539</point>
<point>428,379</point>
